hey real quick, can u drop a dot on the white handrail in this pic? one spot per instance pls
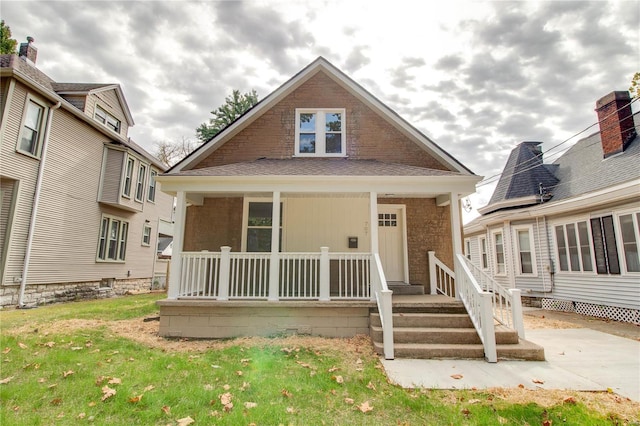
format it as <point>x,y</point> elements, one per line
<point>442,278</point>
<point>385,305</point>
<point>507,303</point>
<point>479,306</point>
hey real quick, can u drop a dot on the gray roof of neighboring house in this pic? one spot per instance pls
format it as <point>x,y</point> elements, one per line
<point>78,87</point>
<point>523,174</point>
<point>315,167</point>
<point>583,169</point>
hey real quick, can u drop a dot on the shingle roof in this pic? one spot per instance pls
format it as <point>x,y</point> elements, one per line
<point>78,87</point>
<point>315,167</point>
<point>523,174</point>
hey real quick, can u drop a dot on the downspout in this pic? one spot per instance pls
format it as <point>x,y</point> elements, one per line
<point>36,202</point>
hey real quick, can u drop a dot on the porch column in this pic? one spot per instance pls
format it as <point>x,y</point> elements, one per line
<point>178,241</point>
<point>274,267</point>
<point>373,220</point>
<point>456,233</point>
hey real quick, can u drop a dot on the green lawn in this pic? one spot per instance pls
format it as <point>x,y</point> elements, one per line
<point>69,376</point>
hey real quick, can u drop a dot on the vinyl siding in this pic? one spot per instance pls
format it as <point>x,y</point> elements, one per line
<point>69,217</point>
<point>311,223</point>
<point>8,190</point>
<point>112,175</point>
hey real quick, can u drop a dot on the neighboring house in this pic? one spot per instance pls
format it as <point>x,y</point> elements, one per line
<point>567,233</point>
<point>349,182</point>
<point>81,209</point>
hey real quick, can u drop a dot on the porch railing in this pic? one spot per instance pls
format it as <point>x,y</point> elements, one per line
<point>478,305</point>
<point>506,302</point>
<point>443,279</point>
<point>385,305</point>
<point>315,276</point>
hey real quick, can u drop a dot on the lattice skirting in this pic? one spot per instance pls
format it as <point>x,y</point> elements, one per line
<point>600,311</point>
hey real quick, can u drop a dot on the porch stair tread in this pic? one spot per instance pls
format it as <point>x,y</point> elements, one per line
<point>405,289</point>
<point>524,351</point>
<point>456,335</point>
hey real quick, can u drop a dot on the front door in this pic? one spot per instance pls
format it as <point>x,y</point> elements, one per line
<point>391,241</point>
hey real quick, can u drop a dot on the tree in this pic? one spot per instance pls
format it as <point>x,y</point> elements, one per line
<point>170,152</point>
<point>234,106</point>
<point>634,89</point>
<point>7,44</point>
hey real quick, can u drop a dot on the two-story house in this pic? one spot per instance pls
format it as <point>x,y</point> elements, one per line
<point>81,209</point>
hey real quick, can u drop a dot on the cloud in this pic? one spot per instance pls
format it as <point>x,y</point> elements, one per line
<point>357,59</point>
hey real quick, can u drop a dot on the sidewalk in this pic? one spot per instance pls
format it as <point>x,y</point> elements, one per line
<point>585,359</point>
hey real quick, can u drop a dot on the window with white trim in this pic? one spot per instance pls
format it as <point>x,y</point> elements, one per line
<point>102,116</point>
<point>258,226</point>
<point>112,242</point>
<point>151,195</point>
<point>483,253</point>
<point>142,174</point>
<point>630,235</point>
<point>524,246</point>
<point>467,248</point>
<point>128,177</point>
<point>146,235</point>
<point>32,131</point>
<point>498,259</point>
<point>320,133</point>
<point>604,245</point>
<point>573,247</point>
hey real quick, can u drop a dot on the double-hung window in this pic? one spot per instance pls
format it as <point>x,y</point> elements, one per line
<point>112,242</point>
<point>32,129</point>
<point>142,173</point>
<point>259,225</point>
<point>573,247</point>
<point>146,235</point>
<point>498,243</point>
<point>151,196</point>
<point>526,256</point>
<point>320,133</point>
<point>630,233</point>
<point>128,177</point>
<point>107,119</point>
<point>604,245</point>
<point>483,253</point>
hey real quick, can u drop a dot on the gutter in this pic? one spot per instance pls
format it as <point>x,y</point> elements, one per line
<point>36,202</point>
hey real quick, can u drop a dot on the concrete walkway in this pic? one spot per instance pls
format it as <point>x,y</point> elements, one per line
<point>576,358</point>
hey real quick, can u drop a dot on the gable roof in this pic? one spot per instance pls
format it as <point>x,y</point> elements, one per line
<point>522,178</point>
<point>319,65</point>
<point>86,89</point>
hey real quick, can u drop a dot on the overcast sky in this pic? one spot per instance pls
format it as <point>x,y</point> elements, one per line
<point>476,77</point>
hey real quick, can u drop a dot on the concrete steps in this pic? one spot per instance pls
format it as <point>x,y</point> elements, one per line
<point>405,289</point>
<point>446,332</point>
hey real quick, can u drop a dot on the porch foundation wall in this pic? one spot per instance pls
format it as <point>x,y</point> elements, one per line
<point>204,319</point>
<point>42,294</point>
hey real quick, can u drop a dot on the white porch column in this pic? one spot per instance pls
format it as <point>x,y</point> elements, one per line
<point>456,233</point>
<point>274,267</point>
<point>178,241</point>
<point>373,220</point>
<point>325,282</point>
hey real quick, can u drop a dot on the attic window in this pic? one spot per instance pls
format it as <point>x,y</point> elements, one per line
<point>107,119</point>
<point>320,133</point>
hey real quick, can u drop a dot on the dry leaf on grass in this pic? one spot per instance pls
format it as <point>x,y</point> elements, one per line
<point>338,379</point>
<point>185,421</point>
<point>225,400</point>
<point>22,345</point>
<point>365,407</point>
<point>6,380</point>
<point>67,373</point>
<point>371,386</point>
<point>166,409</point>
<point>6,350</point>
<point>115,381</point>
<point>82,415</point>
<point>107,392</point>
<point>290,410</point>
<point>135,399</point>
<point>250,405</point>
<point>49,344</point>
<point>239,373</point>
<point>286,393</point>
<point>333,369</point>
<point>569,400</point>
<point>148,388</point>
<point>348,401</point>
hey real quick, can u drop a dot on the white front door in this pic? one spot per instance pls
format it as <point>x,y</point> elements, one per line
<point>391,241</point>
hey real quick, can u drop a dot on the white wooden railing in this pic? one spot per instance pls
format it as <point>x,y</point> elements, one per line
<point>385,306</point>
<point>314,276</point>
<point>443,279</point>
<point>506,302</point>
<point>479,306</point>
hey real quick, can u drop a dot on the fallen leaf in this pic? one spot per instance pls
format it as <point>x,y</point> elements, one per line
<point>286,393</point>
<point>100,379</point>
<point>338,379</point>
<point>569,400</point>
<point>538,381</point>
<point>245,386</point>
<point>82,415</point>
<point>465,411</point>
<point>6,350</point>
<point>290,410</point>
<point>148,388</point>
<point>67,373</point>
<point>165,409</point>
<point>333,392</point>
<point>49,344</point>
<point>250,405</point>
<point>107,392</point>
<point>358,361</point>
<point>42,380</point>
<point>208,387</point>
<point>348,400</point>
<point>365,407</point>
<point>225,398</point>
<point>92,404</point>
<point>56,401</point>
<point>226,387</point>
<point>521,386</point>
<point>22,345</point>
<point>547,423</point>
<point>185,421</point>
<point>371,386</point>
<point>474,401</point>
<point>135,399</point>
<point>332,369</point>
<point>52,386</point>
<point>245,360</point>
<point>228,407</point>
<point>502,420</point>
<point>239,373</point>
<point>115,381</point>
<point>6,380</point>
<point>457,376</point>
<point>303,364</point>
<point>76,348</point>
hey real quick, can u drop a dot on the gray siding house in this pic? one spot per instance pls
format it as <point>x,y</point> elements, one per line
<point>80,212</point>
<point>567,233</point>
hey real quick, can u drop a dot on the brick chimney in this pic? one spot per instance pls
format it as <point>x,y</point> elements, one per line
<point>616,122</point>
<point>28,51</point>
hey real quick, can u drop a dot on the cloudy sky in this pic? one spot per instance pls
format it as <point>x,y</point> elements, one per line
<point>477,77</point>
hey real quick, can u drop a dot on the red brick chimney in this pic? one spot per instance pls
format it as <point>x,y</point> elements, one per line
<point>28,51</point>
<point>616,122</point>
